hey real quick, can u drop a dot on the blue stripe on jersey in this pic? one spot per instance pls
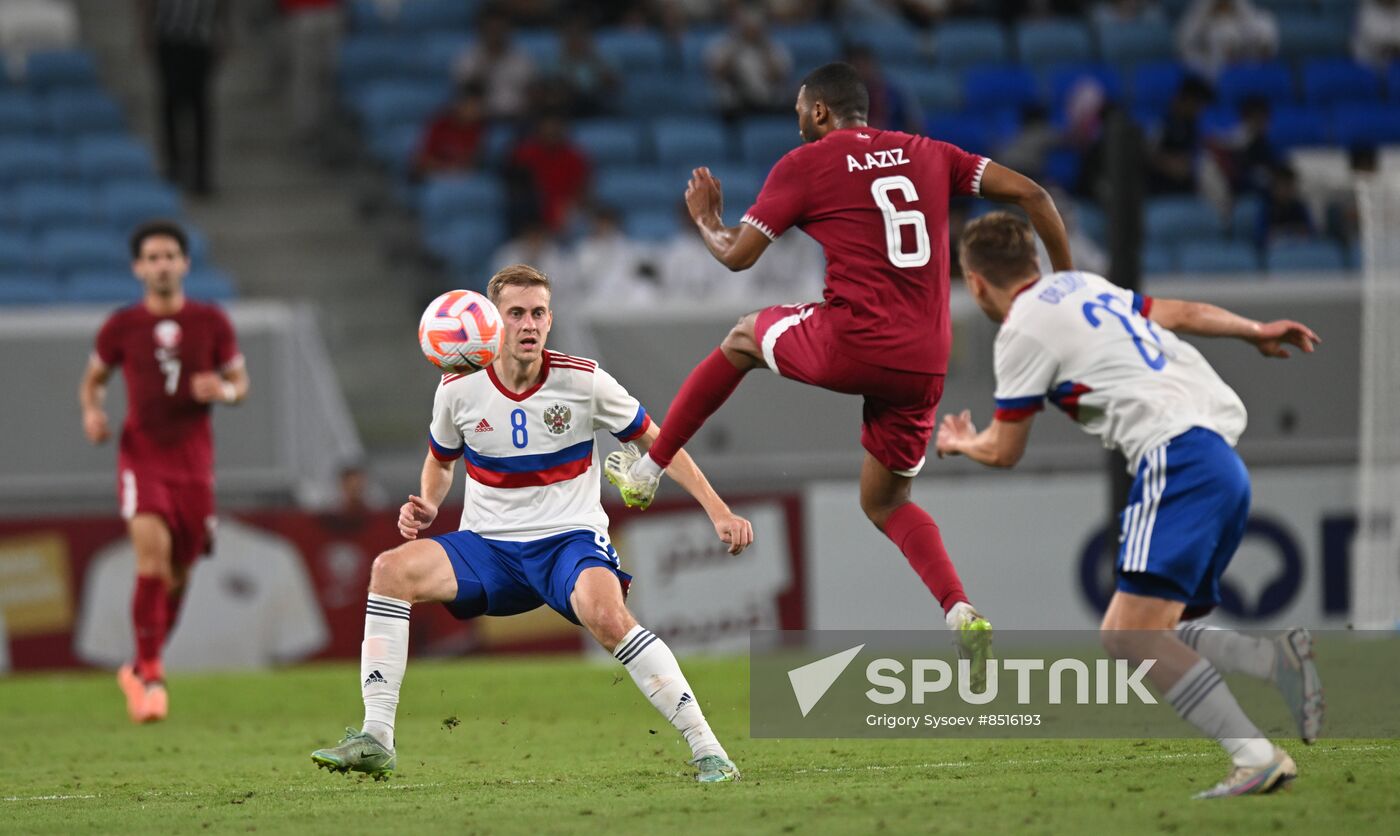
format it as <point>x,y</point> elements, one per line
<point>531,463</point>
<point>444,453</point>
<point>636,424</point>
<point>1138,301</point>
<point>1020,403</point>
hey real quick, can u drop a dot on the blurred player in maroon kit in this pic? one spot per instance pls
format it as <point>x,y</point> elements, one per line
<point>178,357</point>
<point>877,202</point>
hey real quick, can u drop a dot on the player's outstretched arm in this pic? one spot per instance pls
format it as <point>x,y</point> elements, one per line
<point>1001,444</point>
<point>420,510</point>
<point>92,394</point>
<point>736,247</point>
<point>1003,185</point>
<point>1206,320</point>
<point>733,530</point>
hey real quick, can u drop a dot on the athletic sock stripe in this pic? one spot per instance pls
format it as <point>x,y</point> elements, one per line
<point>1202,685</point>
<point>1190,634</point>
<point>386,613</point>
<point>388,604</point>
<point>621,651</point>
<point>1190,689</point>
<point>1215,682</point>
<point>637,651</point>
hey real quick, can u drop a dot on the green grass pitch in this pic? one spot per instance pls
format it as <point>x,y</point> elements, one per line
<point>543,746</point>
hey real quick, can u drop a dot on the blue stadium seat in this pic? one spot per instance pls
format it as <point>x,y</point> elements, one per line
<point>639,188</point>
<point>396,147</point>
<point>433,57</point>
<point>367,58</point>
<point>1360,124</point>
<point>994,88</point>
<point>1392,80</point>
<point>16,251</point>
<point>445,200</point>
<point>935,89</point>
<point>75,249</point>
<point>763,140</point>
<point>112,158</point>
<point>1061,80</point>
<point>73,112</point>
<point>1218,121</point>
<point>1217,257</point>
<point>1154,85</point>
<point>209,284</point>
<point>1312,36</point>
<point>1293,127</point>
<point>466,245</point>
<point>891,43</point>
<point>101,286</point>
<point>959,44</point>
<point>1158,258</point>
<point>126,204</point>
<point>387,104</point>
<point>435,15</point>
<point>41,204</point>
<point>647,97</point>
<point>695,41</point>
<point>20,115</point>
<point>1272,81</point>
<point>631,51</point>
<point>27,288</point>
<point>1172,220</point>
<point>60,68</point>
<point>689,142</point>
<point>610,141</point>
<point>1244,218</point>
<point>1298,7</point>
<point>1292,256</point>
<point>31,159</point>
<point>1328,81</point>
<point>198,244</point>
<point>971,133</point>
<point>809,44</point>
<point>1135,43</point>
<point>1062,167</point>
<point>542,45</point>
<point>1343,10</point>
<point>741,184</point>
<point>1043,42</point>
<point>653,227</point>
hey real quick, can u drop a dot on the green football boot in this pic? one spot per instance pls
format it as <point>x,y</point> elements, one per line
<point>358,752</point>
<point>637,491</point>
<point>714,769</point>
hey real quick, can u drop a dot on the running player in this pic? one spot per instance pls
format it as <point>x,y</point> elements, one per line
<point>1109,359</point>
<point>178,357</point>
<point>877,201</point>
<point>533,530</point>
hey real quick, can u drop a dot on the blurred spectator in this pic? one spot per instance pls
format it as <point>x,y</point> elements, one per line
<point>453,139</point>
<point>588,77</point>
<point>32,25</point>
<point>1283,215</point>
<point>500,66</point>
<point>1376,39</point>
<point>1249,156</point>
<point>1215,33</point>
<point>1108,12</point>
<point>689,272</point>
<point>550,174</point>
<point>792,268</point>
<point>612,268</point>
<point>1343,211</point>
<point>186,38</point>
<point>313,35</point>
<point>1026,151</point>
<point>892,108</point>
<point>749,69</point>
<point>1171,158</point>
<point>539,248</point>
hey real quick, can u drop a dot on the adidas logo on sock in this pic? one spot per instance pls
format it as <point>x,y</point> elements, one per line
<point>686,699</point>
<point>483,426</point>
<point>376,677</point>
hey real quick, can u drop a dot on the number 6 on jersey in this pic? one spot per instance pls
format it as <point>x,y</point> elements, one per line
<point>897,218</point>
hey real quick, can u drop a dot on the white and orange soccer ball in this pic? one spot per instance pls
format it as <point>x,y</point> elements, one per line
<point>461,332</point>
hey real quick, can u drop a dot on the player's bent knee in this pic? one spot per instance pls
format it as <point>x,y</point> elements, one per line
<point>398,573</point>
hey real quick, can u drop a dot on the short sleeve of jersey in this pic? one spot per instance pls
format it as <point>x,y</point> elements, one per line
<point>1025,371</point>
<point>109,346</point>
<point>444,436</point>
<point>964,170</point>
<point>615,410</point>
<point>226,353</point>
<point>781,200</point>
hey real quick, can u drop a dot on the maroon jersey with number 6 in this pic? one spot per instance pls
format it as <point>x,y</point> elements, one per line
<point>877,202</point>
<point>167,433</point>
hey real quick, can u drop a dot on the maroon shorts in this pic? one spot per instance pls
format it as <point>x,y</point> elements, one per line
<point>900,406</point>
<point>187,508</point>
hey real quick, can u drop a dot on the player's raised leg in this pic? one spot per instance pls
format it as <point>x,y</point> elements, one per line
<point>1287,661</point>
<point>143,681</point>
<point>1138,627</point>
<point>415,572</point>
<point>706,389</point>
<point>597,601</point>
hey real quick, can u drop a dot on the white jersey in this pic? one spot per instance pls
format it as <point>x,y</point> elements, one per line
<point>532,471</point>
<point>1086,344</point>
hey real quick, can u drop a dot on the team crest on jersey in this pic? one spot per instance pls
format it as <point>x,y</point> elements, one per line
<point>557,417</point>
<point>167,333</point>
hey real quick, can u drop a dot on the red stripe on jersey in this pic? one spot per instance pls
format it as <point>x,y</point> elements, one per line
<point>532,479</point>
<point>646,422</point>
<point>448,378</point>
<point>558,357</point>
<point>1016,414</point>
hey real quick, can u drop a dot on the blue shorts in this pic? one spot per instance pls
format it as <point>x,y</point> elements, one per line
<point>506,577</point>
<point>1185,517</point>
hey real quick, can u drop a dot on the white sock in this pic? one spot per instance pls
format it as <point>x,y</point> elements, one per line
<point>1202,699</point>
<point>961,613</point>
<point>383,657</point>
<point>1229,651</point>
<point>646,466</point>
<point>653,667</point>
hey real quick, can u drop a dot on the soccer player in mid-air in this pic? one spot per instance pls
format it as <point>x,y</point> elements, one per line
<point>1109,358</point>
<point>877,201</point>
<point>178,357</point>
<point>533,529</point>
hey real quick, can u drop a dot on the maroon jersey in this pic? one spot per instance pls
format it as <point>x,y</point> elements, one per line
<point>877,202</point>
<point>167,434</point>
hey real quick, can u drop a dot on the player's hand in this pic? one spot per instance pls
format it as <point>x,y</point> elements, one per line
<point>734,531</point>
<point>954,432</point>
<point>207,387</point>
<point>703,196</point>
<point>1272,337</point>
<point>415,515</point>
<point>95,426</point>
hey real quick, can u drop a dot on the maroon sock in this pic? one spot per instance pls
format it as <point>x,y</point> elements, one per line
<point>148,616</point>
<point>917,535</point>
<point>708,387</point>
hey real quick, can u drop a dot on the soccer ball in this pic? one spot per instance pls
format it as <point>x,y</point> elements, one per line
<point>461,332</point>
